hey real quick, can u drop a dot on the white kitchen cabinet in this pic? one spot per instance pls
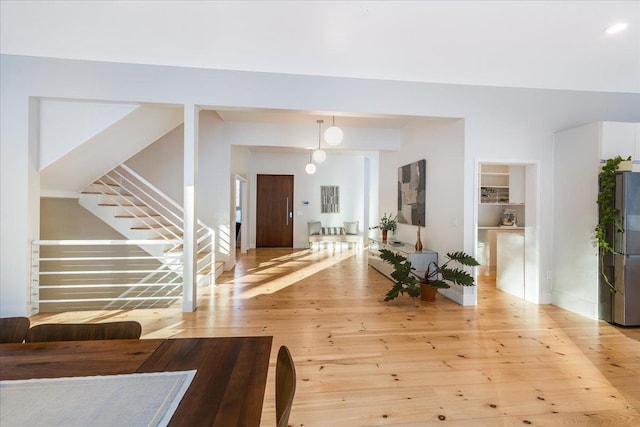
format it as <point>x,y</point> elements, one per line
<point>488,237</point>
<point>494,184</point>
<point>502,184</point>
<point>516,184</point>
<point>510,263</point>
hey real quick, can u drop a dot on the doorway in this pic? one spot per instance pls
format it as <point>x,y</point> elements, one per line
<point>240,214</point>
<point>506,236</point>
<point>274,211</point>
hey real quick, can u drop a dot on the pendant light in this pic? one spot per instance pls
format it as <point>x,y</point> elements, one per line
<point>319,155</point>
<point>310,168</point>
<point>333,135</point>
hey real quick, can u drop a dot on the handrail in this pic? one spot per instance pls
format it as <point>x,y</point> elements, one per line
<point>152,187</point>
<point>99,272</point>
<point>105,242</point>
<point>86,280</point>
<point>159,192</point>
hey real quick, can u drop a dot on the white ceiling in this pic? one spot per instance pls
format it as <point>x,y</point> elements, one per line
<point>536,44</point>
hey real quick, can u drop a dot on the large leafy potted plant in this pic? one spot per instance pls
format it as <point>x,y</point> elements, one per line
<point>609,215</point>
<point>386,224</point>
<point>407,280</point>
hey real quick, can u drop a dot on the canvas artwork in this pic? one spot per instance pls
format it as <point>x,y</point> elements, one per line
<point>330,199</point>
<point>412,183</point>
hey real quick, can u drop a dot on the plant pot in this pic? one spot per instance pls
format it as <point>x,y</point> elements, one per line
<point>427,292</point>
<point>625,166</point>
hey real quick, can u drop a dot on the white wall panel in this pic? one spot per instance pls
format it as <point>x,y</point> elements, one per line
<point>501,123</point>
<point>575,215</point>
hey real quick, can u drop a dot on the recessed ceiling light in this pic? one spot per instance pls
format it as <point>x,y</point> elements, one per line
<point>616,28</point>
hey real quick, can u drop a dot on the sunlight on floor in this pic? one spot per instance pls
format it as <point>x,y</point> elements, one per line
<point>268,278</point>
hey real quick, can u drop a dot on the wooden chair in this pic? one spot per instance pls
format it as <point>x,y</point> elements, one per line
<point>13,329</point>
<point>285,386</point>
<point>84,331</point>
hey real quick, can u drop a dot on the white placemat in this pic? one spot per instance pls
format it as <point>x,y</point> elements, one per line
<point>111,400</point>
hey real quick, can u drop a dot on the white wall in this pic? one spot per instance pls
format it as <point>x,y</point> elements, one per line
<point>343,169</point>
<point>66,124</point>
<point>240,158</point>
<point>441,143</point>
<point>162,164</point>
<point>515,125</point>
<point>577,155</point>
<point>575,278</point>
<point>92,158</point>
<point>306,136</point>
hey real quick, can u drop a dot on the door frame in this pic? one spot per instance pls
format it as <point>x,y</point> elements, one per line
<point>242,182</point>
<point>532,286</point>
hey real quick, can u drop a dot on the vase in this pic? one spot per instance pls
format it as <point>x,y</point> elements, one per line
<point>427,292</point>
<point>625,166</point>
<point>419,242</point>
<point>384,236</point>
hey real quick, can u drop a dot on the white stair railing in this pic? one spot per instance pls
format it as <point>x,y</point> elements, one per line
<point>91,274</point>
<point>83,268</point>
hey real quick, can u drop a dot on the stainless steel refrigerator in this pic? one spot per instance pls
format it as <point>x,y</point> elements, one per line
<point>623,306</point>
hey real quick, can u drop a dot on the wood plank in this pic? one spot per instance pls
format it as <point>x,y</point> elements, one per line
<point>73,358</point>
<point>364,362</point>
<point>228,388</point>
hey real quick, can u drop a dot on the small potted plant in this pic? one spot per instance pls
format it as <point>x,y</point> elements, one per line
<point>436,277</point>
<point>386,224</point>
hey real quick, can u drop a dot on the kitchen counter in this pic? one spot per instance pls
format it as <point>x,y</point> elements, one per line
<point>501,228</point>
<point>487,242</point>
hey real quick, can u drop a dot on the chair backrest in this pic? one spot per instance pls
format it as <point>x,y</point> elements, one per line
<point>84,331</point>
<point>13,329</point>
<point>285,386</point>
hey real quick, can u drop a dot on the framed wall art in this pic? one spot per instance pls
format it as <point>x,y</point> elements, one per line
<point>412,184</point>
<point>330,199</point>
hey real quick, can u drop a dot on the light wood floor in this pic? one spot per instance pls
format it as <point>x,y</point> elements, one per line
<point>363,362</point>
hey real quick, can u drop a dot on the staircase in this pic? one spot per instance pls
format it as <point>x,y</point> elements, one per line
<point>143,271</point>
<point>139,211</point>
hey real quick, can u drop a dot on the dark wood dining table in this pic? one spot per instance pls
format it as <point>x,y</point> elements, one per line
<point>227,390</point>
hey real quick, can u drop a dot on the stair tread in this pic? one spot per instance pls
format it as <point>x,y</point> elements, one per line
<point>111,184</point>
<point>142,215</point>
<point>150,226</point>
<point>122,204</point>
<point>106,194</point>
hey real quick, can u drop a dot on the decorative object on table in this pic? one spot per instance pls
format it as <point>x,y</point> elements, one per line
<point>330,199</point>
<point>412,184</point>
<point>407,280</point>
<point>509,218</point>
<point>386,224</point>
<point>608,214</point>
<point>419,242</point>
<point>626,165</point>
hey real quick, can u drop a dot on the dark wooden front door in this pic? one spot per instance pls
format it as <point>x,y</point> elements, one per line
<point>274,211</point>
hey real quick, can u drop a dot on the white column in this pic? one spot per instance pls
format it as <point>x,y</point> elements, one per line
<point>191,126</point>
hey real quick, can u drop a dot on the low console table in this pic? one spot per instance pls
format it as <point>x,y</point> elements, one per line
<point>419,259</point>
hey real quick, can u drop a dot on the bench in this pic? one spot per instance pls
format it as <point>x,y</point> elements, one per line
<point>347,234</point>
